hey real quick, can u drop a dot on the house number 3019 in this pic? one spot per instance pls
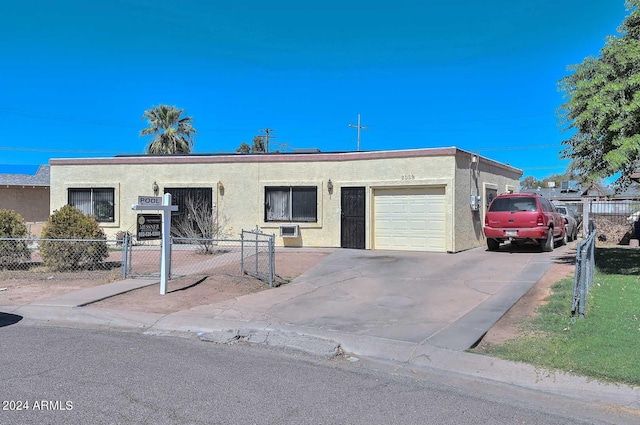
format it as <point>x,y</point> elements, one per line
<point>408,177</point>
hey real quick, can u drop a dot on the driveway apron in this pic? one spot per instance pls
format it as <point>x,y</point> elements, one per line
<point>446,300</point>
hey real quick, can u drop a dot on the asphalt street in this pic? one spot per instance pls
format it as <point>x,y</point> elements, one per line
<point>82,376</point>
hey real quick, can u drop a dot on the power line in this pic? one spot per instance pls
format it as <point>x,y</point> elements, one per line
<point>512,148</point>
<point>547,167</point>
<point>25,149</point>
<point>66,118</point>
<point>131,124</point>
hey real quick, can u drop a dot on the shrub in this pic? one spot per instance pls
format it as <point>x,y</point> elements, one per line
<point>13,252</point>
<point>201,224</point>
<point>63,247</point>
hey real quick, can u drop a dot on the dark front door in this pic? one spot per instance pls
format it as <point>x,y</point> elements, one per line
<point>352,233</point>
<point>191,201</point>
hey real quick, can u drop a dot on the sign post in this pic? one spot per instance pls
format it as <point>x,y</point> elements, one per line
<point>156,203</point>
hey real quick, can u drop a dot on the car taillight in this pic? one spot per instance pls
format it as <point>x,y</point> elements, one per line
<point>486,220</point>
<point>540,220</point>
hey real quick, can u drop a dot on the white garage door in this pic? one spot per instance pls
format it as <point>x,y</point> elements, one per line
<point>409,219</point>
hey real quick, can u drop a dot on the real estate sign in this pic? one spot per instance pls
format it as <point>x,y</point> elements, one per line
<point>149,227</point>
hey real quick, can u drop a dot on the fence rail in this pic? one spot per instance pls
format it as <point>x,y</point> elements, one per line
<point>258,255</point>
<point>585,267</point>
<point>71,259</point>
<point>108,260</point>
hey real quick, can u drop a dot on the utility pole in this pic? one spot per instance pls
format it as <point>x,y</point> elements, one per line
<point>267,132</point>
<point>359,127</point>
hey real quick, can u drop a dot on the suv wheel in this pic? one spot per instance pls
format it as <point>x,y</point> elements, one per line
<point>548,243</point>
<point>493,244</point>
<point>565,237</point>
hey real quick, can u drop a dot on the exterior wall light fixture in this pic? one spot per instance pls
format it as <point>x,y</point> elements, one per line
<point>220,188</point>
<point>330,186</point>
<point>155,188</point>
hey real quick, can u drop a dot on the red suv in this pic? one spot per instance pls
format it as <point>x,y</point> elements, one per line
<point>523,217</point>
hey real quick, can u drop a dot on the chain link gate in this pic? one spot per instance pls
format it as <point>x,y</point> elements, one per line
<point>255,251</point>
<point>258,255</point>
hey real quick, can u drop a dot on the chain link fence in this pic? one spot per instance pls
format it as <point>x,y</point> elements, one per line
<point>105,261</point>
<point>70,259</point>
<point>585,267</point>
<point>253,254</point>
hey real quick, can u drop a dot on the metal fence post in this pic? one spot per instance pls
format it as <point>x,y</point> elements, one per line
<point>242,251</point>
<point>583,281</point>
<point>586,209</point>
<point>130,261</point>
<point>576,283</point>
<point>125,253</point>
<point>271,241</point>
<point>257,269</point>
<point>592,263</point>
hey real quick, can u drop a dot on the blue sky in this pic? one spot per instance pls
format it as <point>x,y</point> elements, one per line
<point>76,76</point>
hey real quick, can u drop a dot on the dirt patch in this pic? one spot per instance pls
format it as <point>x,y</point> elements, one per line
<point>202,284</point>
<point>25,291</point>
<point>224,283</point>
<point>508,327</point>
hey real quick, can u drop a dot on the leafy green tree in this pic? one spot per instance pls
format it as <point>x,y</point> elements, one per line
<point>172,133</point>
<point>72,241</point>
<point>258,146</point>
<point>14,249</point>
<point>244,148</point>
<point>529,182</point>
<point>602,106</point>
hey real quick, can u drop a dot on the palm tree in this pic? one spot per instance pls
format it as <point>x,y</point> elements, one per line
<point>171,133</point>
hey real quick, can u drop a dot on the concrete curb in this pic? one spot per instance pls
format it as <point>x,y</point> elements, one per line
<point>401,355</point>
<point>324,348</point>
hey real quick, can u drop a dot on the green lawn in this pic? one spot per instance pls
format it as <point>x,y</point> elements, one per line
<point>605,344</point>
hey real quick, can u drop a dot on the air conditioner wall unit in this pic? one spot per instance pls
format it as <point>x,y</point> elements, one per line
<point>289,231</point>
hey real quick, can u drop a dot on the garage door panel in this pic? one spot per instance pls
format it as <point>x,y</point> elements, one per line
<point>409,219</point>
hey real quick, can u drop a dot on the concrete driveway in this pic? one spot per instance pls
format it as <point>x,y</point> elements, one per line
<point>446,300</point>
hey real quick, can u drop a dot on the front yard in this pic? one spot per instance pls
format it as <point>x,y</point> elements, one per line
<point>605,344</point>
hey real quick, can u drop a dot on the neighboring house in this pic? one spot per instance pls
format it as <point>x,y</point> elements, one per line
<point>421,199</point>
<point>602,201</point>
<point>577,193</point>
<point>28,195</point>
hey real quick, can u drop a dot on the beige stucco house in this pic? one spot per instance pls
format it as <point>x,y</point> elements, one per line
<point>421,199</point>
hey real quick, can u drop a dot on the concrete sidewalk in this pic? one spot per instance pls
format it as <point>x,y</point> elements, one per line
<point>94,294</point>
<point>411,310</point>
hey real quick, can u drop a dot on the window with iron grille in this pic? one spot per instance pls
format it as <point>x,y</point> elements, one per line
<point>99,202</point>
<point>291,203</point>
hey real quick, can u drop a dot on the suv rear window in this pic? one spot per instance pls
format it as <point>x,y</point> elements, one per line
<point>514,204</point>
